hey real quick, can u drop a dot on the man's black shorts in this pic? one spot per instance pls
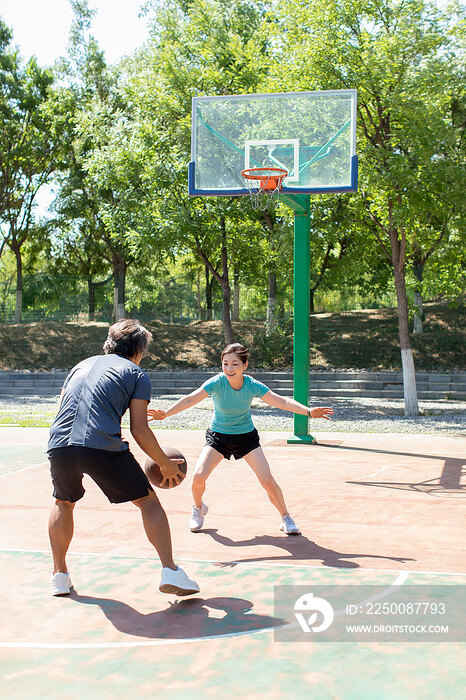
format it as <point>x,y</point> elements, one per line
<point>230,444</point>
<point>118,474</point>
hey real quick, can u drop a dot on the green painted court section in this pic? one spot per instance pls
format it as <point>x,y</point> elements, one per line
<point>15,457</point>
<point>117,635</point>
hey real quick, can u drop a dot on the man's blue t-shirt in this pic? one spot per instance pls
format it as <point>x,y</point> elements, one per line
<point>97,395</point>
<point>232,414</point>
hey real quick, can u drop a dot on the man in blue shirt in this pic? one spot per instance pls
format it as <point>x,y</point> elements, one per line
<point>85,438</point>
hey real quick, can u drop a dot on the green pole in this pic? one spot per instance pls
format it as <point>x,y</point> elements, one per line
<point>301,334</point>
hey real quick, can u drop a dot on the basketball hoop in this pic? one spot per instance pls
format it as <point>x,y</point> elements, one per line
<point>264,185</point>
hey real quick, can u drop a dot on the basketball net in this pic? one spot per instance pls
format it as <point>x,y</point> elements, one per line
<point>264,185</point>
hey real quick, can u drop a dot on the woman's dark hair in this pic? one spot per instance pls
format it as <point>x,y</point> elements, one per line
<point>127,338</point>
<point>238,349</point>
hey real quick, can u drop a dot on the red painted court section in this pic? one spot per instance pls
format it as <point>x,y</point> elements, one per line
<point>373,508</point>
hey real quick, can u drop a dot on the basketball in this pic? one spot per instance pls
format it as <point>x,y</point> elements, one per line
<point>153,472</point>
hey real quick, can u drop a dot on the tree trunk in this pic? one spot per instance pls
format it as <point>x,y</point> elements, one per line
<point>398,252</point>
<point>19,284</point>
<point>119,281</point>
<point>227,328</point>
<point>271,318</point>
<point>326,265</point>
<point>418,326</point>
<point>236,295</point>
<point>92,286</point>
<point>208,294</point>
<point>271,315</point>
<point>225,282</point>
<point>397,256</point>
<point>91,299</point>
<point>222,279</point>
<point>198,296</point>
<point>407,362</point>
<point>418,269</point>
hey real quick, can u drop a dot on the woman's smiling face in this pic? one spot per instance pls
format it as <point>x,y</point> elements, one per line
<point>233,366</point>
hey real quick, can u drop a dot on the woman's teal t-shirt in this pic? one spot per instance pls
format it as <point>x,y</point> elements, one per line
<point>232,408</point>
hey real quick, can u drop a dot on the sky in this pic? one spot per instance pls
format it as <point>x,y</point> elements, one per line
<point>41,27</point>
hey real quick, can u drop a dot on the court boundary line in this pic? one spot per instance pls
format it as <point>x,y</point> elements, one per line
<point>118,645</point>
<point>23,469</point>
<point>244,563</point>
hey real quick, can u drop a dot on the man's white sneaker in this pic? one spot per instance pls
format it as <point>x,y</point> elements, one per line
<point>289,527</point>
<point>197,518</point>
<point>178,582</point>
<point>61,584</point>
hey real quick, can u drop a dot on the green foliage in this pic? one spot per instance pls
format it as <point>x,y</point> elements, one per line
<point>274,349</point>
<point>27,146</point>
<point>117,141</point>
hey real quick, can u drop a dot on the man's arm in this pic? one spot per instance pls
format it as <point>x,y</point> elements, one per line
<point>287,404</point>
<point>147,441</point>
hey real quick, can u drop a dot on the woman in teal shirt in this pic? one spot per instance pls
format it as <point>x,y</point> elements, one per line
<point>232,431</point>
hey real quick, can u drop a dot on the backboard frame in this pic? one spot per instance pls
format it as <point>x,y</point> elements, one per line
<point>293,190</point>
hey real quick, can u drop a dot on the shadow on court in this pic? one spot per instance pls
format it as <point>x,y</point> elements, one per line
<point>431,487</point>
<point>448,484</point>
<point>297,547</point>
<point>183,619</point>
<point>449,481</point>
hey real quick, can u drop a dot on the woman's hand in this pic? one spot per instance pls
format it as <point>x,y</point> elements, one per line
<point>156,414</point>
<point>321,412</point>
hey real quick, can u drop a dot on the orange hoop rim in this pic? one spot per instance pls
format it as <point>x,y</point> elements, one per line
<point>270,178</point>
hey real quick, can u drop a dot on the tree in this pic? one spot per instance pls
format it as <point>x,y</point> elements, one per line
<point>28,147</point>
<point>278,235</point>
<point>115,171</point>
<point>209,47</point>
<point>78,250</point>
<point>99,200</point>
<point>441,209</point>
<point>201,227</point>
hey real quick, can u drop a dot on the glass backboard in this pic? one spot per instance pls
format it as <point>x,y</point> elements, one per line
<point>310,134</point>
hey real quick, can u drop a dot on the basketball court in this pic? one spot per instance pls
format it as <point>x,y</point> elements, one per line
<point>381,510</point>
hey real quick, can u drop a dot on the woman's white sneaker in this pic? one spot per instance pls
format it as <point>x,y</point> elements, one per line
<point>178,582</point>
<point>197,517</point>
<point>288,526</point>
<point>61,584</point>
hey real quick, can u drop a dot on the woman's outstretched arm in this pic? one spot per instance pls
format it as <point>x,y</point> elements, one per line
<point>288,404</point>
<point>180,405</point>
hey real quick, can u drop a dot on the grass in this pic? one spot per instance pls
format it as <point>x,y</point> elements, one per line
<point>355,339</point>
<point>351,415</point>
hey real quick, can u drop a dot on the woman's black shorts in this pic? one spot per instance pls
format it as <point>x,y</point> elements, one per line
<point>118,474</point>
<point>230,444</point>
